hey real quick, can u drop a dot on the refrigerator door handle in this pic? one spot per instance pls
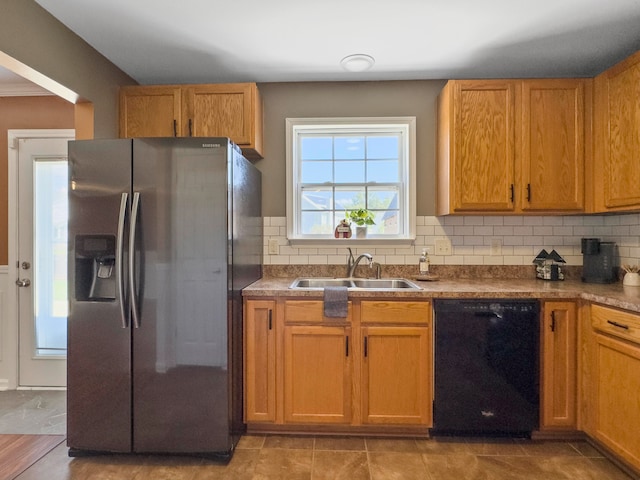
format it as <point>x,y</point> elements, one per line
<point>119,258</point>
<point>132,263</point>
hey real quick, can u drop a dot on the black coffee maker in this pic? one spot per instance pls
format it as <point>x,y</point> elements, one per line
<point>598,261</point>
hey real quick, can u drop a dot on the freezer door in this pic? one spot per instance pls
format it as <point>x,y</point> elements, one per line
<point>181,375</point>
<point>99,338</point>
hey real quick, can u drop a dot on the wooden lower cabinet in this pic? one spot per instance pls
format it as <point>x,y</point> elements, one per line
<point>259,361</point>
<point>615,380</point>
<point>372,368</point>
<point>618,397</point>
<point>559,366</point>
<point>317,374</point>
<point>396,375</point>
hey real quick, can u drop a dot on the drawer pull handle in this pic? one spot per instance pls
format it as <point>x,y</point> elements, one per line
<point>619,325</point>
<point>270,319</point>
<point>553,321</point>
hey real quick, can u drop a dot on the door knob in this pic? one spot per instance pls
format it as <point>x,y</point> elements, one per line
<point>25,282</point>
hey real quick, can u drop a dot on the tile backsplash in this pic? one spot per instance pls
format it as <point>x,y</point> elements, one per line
<point>520,238</point>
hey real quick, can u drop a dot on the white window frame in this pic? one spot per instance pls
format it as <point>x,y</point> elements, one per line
<point>297,126</point>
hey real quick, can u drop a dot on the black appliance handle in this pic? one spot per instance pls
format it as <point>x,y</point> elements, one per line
<point>135,206</point>
<point>124,199</point>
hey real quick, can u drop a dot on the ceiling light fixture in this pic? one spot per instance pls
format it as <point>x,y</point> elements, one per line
<point>358,62</point>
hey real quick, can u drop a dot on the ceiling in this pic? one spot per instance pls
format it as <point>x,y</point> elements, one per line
<point>193,41</point>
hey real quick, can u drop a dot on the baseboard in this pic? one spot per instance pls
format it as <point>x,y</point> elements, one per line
<point>4,384</point>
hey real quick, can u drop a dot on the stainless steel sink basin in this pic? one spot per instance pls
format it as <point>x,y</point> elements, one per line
<point>321,282</point>
<point>386,283</point>
<point>354,283</point>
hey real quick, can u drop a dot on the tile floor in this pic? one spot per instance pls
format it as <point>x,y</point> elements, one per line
<point>260,457</point>
<point>33,412</point>
<point>334,458</point>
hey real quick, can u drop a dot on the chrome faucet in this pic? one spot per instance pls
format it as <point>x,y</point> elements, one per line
<point>352,269</point>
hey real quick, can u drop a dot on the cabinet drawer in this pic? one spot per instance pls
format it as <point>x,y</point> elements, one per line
<point>310,311</point>
<point>395,312</point>
<point>616,322</point>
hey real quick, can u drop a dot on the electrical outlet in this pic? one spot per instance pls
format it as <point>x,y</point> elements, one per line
<point>443,246</point>
<point>273,246</point>
<point>496,246</point>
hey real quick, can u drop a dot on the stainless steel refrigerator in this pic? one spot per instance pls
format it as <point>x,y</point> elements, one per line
<point>163,235</point>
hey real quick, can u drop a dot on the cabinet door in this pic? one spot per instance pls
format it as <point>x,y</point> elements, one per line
<point>396,375</point>
<point>483,145</point>
<point>150,111</point>
<point>222,110</point>
<point>559,371</point>
<point>553,145</point>
<point>260,361</point>
<point>617,143</point>
<point>618,397</point>
<point>317,374</point>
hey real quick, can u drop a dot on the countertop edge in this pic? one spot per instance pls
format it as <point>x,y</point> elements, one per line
<point>615,295</point>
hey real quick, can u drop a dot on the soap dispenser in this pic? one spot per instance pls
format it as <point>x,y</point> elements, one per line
<point>424,262</point>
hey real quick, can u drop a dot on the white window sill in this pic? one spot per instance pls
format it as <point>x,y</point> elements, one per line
<point>349,242</point>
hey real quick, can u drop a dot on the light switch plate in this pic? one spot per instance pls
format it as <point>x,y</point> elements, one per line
<point>273,246</point>
<point>443,246</point>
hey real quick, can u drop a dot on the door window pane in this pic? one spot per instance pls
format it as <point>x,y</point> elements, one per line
<point>50,256</point>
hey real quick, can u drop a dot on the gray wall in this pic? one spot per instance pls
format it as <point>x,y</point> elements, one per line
<point>347,99</point>
<point>29,34</point>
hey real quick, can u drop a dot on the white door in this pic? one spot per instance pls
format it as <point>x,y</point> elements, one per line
<point>41,261</point>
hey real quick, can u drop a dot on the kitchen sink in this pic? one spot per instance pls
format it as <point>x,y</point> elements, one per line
<point>354,283</point>
<point>321,282</point>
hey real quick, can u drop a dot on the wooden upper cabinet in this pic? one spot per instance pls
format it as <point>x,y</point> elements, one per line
<point>553,146</point>
<point>511,146</point>
<point>216,110</point>
<point>476,146</point>
<point>153,111</point>
<point>617,137</point>
<point>229,110</point>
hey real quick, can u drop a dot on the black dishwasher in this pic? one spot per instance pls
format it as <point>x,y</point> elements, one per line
<point>486,367</point>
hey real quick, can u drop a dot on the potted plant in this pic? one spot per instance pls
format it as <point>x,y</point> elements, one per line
<point>362,218</point>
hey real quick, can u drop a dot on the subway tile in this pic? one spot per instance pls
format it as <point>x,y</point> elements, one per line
<point>452,220</point>
<point>533,220</point>
<point>483,230</point>
<point>279,221</point>
<point>516,220</point>
<point>502,231</point>
<point>571,220</point>
<point>426,230</point>
<point>492,260</point>
<point>593,220</point>
<point>393,260</point>
<point>474,220</point>
<point>553,221</point>
<point>494,220</point>
<point>271,231</point>
<point>525,231</point>
<point>473,260</point>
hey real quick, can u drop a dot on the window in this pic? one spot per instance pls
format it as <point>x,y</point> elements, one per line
<point>339,164</point>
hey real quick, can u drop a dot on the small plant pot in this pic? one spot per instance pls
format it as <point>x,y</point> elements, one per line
<point>361,232</point>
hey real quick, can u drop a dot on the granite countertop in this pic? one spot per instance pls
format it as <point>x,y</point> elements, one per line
<point>615,295</point>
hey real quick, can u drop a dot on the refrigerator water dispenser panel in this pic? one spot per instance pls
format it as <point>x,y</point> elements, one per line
<point>95,257</point>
